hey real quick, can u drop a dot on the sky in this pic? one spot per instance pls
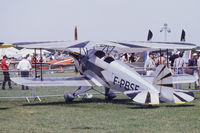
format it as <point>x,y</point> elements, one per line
<point>119,20</point>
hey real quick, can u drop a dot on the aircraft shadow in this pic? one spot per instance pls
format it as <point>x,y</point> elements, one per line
<point>132,104</point>
<point>145,107</point>
<point>180,105</point>
<point>4,108</point>
<point>75,102</point>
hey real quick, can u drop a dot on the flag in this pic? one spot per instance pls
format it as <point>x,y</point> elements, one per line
<point>150,35</point>
<point>75,34</point>
<point>183,36</point>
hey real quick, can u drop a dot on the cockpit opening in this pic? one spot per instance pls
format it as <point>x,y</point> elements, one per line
<point>109,59</point>
<point>99,54</point>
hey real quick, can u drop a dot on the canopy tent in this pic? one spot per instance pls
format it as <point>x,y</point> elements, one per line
<point>10,52</point>
<point>26,51</point>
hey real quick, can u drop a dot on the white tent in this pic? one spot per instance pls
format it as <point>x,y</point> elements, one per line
<point>26,51</point>
<point>10,52</point>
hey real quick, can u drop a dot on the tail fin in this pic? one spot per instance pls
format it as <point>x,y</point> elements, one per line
<point>163,82</point>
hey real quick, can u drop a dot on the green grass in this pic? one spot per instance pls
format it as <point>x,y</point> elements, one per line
<point>94,115</point>
<point>97,115</point>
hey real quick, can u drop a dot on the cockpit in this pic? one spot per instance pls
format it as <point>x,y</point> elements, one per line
<point>99,54</point>
<point>109,59</point>
<point>102,54</point>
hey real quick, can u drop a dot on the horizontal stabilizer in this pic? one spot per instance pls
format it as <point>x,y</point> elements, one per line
<point>183,96</point>
<point>144,97</point>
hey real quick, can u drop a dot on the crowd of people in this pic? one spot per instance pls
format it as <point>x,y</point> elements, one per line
<point>177,64</point>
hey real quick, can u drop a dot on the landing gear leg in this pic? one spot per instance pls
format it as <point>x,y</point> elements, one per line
<point>69,97</point>
<point>109,94</point>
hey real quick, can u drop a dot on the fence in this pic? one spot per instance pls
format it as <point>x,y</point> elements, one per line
<point>36,93</point>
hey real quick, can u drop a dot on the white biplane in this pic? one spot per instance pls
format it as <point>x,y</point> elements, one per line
<point>98,68</point>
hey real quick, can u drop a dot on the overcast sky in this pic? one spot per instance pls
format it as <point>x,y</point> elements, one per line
<point>130,20</point>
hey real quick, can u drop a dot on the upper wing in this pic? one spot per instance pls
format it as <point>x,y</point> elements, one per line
<point>158,45</point>
<point>177,78</point>
<point>125,46</point>
<point>54,81</point>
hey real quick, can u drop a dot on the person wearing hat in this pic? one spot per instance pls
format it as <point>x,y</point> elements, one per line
<point>150,65</point>
<point>5,67</point>
<point>24,66</point>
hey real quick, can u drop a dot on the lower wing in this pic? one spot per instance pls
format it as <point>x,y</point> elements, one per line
<point>54,81</point>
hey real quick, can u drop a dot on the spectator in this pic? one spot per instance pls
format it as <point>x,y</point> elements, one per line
<point>34,59</point>
<point>192,68</point>
<point>132,58</point>
<point>198,64</point>
<point>59,56</point>
<point>192,63</point>
<point>179,64</point>
<point>24,66</point>
<point>161,60</point>
<point>5,67</point>
<point>149,65</point>
<point>29,58</point>
<point>125,57</point>
<point>173,57</point>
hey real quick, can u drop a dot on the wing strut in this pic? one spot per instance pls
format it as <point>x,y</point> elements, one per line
<point>41,60</point>
<point>167,57</point>
<point>108,50</point>
<point>35,62</point>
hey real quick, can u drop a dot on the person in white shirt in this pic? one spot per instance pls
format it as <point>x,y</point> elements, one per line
<point>24,66</point>
<point>179,64</point>
<point>150,65</point>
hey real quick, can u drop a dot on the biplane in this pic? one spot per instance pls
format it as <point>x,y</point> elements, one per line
<point>98,67</point>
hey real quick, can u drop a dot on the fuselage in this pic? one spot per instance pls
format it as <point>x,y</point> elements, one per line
<point>111,73</point>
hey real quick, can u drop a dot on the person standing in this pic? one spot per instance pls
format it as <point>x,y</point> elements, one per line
<point>179,64</point>
<point>173,57</point>
<point>5,67</point>
<point>192,68</point>
<point>24,66</point>
<point>161,60</point>
<point>150,65</point>
<point>198,69</point>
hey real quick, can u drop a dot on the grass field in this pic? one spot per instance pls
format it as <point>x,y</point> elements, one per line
<point>95,115</point>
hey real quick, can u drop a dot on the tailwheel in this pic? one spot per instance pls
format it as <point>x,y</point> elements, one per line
<point>69,97</point>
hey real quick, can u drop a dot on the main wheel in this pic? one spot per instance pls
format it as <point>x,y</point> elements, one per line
<point>69,97</point>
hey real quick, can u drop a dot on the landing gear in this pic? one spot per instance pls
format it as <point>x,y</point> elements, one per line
<point>109,94</point>
<point>69,97</point>
<point>82,91</point>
